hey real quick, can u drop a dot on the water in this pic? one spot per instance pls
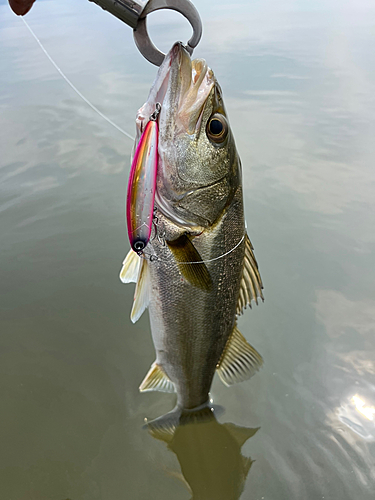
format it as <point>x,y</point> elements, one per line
<point>298,83</point>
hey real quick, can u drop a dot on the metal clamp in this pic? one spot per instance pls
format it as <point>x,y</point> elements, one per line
<point>134,13</point>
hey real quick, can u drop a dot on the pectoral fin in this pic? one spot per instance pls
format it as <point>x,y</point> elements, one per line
<point>251,283</point>
<point>239,360</point>
<point>190,263</point>
<point>156,380</point>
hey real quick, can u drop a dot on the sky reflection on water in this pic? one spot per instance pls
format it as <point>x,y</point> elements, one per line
<point>298,82</point>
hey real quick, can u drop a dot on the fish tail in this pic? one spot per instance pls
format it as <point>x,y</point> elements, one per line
<point>164,427</point>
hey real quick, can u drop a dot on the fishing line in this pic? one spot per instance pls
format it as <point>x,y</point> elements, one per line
<point>216,258</point>
<point>153,257</point>
<point>92,106</point>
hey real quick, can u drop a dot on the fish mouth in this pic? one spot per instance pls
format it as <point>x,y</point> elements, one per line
<point>190,83</point>
<point>182,87</point>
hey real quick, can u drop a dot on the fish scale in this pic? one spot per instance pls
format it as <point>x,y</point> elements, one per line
<point>189,345</point>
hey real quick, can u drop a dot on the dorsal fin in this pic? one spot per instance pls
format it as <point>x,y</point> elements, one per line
<point>141,294</point>
<point>239,360</point>
<point>251,283</point>
<point>156,380</point>
<point>190,262</point>
<point>130,268</point>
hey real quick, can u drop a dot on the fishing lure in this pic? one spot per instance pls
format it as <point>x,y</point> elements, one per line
<point>142,186</point>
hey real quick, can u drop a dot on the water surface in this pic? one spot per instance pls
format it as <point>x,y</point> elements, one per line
<point>298,82</point>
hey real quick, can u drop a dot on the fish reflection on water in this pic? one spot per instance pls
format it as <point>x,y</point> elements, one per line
<point>209,454</point>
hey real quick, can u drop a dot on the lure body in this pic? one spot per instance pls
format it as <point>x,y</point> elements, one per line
<point>141,188</point>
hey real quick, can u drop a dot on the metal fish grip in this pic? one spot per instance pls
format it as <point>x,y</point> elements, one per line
<point>134,13</point>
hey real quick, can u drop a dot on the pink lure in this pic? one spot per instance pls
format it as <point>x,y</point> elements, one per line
<point>141,188</point>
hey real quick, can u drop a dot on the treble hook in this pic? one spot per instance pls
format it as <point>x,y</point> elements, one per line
<point>134,13</point>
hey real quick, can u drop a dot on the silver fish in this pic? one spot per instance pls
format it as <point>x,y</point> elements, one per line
<point>198,272</point>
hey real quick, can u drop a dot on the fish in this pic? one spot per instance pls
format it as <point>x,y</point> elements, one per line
<point>198,271</point>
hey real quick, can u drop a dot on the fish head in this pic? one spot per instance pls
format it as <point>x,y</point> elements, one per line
<point>198,166</point>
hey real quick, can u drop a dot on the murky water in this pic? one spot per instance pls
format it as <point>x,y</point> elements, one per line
<point>298,82</point>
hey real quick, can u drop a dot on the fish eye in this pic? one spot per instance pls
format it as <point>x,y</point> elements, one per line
<point>217,128</point>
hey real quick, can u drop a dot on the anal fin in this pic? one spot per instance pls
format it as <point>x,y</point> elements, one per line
<point>239,360</point>
<point>156,380</point>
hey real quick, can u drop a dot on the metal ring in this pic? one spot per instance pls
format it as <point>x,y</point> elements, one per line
<point>142,40</point>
